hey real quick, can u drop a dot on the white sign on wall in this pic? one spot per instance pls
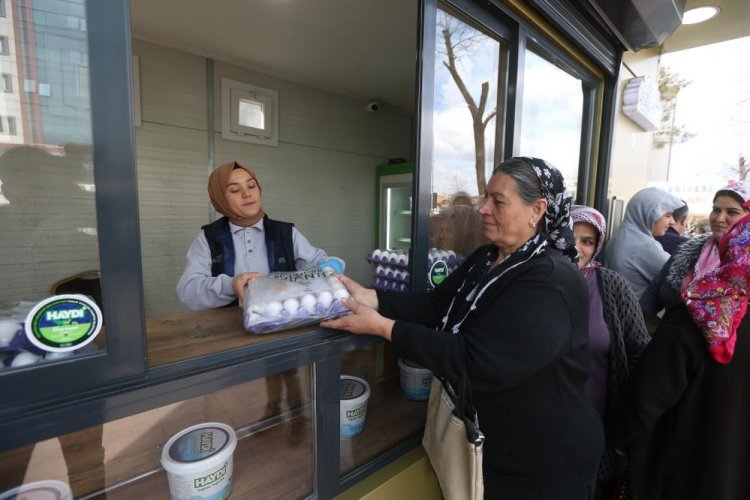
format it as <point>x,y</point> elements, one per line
<point>641,102</point>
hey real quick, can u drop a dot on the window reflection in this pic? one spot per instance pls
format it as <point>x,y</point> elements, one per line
<point>47,207</point>
<point>121,459</point>
<point>467,72</point>
<point>551,117</point>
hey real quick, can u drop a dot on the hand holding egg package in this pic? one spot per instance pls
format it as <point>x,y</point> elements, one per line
<point>282,300</point>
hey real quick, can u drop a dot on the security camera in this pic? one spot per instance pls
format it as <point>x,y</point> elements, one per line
<point>372,106</point>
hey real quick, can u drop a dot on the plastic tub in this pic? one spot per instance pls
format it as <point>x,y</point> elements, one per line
<point>39,490</point>
<point>199,462</point>
<point>415,380</point>
<point>353,394</point>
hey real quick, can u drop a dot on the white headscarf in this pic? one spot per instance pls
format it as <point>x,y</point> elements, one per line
<point>633,251</point>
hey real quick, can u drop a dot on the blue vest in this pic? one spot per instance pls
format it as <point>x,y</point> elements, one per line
<point>279,246</point>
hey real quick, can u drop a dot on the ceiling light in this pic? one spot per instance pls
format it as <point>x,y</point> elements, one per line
<point>699,14</point>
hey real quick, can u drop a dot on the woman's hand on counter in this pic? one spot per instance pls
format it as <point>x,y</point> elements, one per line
<point>363,320</point>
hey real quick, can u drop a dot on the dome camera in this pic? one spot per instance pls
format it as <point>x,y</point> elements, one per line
<point>372,106</point>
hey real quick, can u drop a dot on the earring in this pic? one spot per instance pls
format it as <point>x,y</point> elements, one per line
<point>532,224</point>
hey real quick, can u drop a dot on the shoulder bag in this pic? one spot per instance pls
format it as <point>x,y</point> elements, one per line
<point>453,441</point>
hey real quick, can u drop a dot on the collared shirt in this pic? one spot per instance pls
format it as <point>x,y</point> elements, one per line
<point>198,290</point>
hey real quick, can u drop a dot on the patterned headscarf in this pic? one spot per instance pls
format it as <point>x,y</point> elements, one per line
<point>217,185</point>
<point>717,301</point>
<point>588,215</point>
<point>559,230</point>
<point>741,189</point>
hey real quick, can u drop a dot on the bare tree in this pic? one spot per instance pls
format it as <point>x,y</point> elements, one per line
<point>670,85</point>
<point>740,169</point>
<point>459,39</point>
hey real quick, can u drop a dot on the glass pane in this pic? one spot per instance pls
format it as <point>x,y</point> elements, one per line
<point>271,419</point>
<point>467,72</point>
<point>551,117</point>
<point>320,177</point>
<point>47,210</point>
<point>383,402</point>
<point>252,114</point>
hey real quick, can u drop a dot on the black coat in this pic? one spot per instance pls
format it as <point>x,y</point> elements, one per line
<point>526,347</point>
<point>685,418</point>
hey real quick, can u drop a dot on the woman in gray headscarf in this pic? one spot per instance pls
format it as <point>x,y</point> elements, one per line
<point>633,252</point>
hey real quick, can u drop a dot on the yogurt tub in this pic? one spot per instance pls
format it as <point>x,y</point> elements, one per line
<point>353,394</point>
<point>198,461</point>
<point>39,490</point>
<point>415,380</point>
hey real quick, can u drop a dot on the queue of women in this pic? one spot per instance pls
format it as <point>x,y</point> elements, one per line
<point>575,398</point>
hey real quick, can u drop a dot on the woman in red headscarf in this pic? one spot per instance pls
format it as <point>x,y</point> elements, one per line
<point>684,421</point>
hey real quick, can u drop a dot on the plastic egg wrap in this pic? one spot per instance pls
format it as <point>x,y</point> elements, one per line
<point>282,300</point>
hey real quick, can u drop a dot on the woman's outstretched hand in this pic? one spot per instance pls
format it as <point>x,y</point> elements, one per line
<point>364,317</point>
<point>239,284</point>
<point>365,296</point>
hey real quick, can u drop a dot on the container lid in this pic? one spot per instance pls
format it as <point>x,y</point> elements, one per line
<point>411,364</point>
<point>39,490</point>
<point>352,388</point>
<point>198,446</point>
<point>63,323</point>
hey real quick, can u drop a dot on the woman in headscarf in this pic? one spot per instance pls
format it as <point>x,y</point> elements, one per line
<point>242,244</point>
<point>515,313</point>
<point>699,255</point>
<point>617,332</point>
<point>684,418</point>
<point>633,252</point>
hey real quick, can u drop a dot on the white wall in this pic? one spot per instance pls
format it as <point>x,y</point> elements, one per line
<point>321,176</point>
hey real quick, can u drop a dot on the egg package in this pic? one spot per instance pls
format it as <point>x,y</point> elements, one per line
<point>282,300</point>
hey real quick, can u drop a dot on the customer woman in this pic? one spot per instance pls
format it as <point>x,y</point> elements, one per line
<point>699,255</point>
<point>684,419</point>
<point>633,252</point>
<point>518,310</point>
<point>617,332</point>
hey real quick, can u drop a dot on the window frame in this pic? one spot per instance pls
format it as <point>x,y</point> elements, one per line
<point>232,91</point>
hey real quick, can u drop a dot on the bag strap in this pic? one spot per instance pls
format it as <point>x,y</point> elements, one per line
<point>463,402</point>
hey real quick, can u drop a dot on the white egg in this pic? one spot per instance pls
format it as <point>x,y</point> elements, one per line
<point>8,328</point>
<point>24,358</point>
<point>291,305</point>
<point>335,284</point>
<point>273,309</point>
<point>308,302</point>
<point>376,254</point>
<point>325,299</point>
<point>340,294</point>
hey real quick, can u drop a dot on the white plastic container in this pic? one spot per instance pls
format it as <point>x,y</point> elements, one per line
<point>39,490</point>
<point>415,380</point>
<point>353,394</point>
<point>199,462</point>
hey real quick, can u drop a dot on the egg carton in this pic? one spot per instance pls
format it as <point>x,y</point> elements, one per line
<point>283,300</point>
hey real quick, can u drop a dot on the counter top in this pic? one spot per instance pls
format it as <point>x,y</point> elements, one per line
<point>200,333</point>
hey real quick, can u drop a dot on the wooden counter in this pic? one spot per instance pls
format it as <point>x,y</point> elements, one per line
<point>199,333</point>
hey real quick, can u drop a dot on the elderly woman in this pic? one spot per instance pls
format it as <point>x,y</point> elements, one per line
<point>617,332</point>
<point>633,251</point>
<point>684,418</point>
<point>699,255</point>
<point>518,309</point>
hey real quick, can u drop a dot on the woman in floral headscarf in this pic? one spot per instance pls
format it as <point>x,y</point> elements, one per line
<point>684,421</point>
<point>697,256</point>
<point>617,332</point>
<point>515,313</point>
